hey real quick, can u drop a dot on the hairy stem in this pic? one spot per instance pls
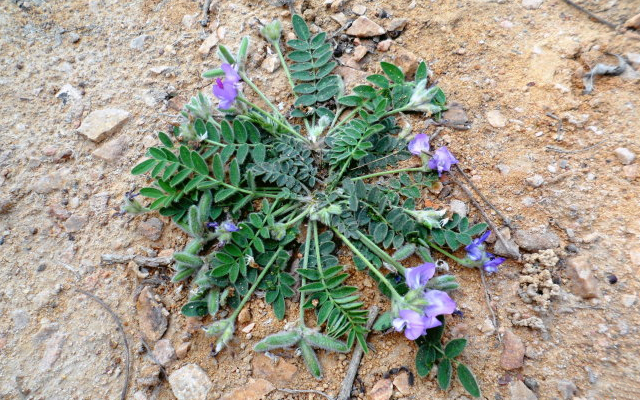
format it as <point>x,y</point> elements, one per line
<point>393,171</point>
<point>282,125</point>
<point>443,251</point>
<point>264,98</point>
<point>305,264</point>
<point>381,253</point>
<point>285,67</point>
<point>344,120</point>
<point>376,272</point>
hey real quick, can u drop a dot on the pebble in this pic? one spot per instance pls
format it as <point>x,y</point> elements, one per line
<point>74,37</point>
<point>152,316</point>
<point>487,327</point>
<point>351,77</point>
<point>535,181</point>
<point>364,27</point>
<point>496,119</point>
<point>75,223</point>
<point>21,319</point>
<point>401,382</point>
<point>384,45</point>
<point>208,43</point>
<point>631,172</point>
<point>382,390</point>
<point>52,351</point>
<point>359,9</point>
<point>359,52</point>
<point>270,63</point>
<point>397,24</point>
<point>190,383</point>
<point>634,59</point>
<point>628,300</point>
<point>164,352</point>
<point>113,149</point>
<point>625,156</point>
<point>584,284</point>
<point>458,207</point>
<point>249,328</point>
<point>5,205</point>
<point>182,350</point>
<point>633,22</point>
<point>278,373</point>
<point>140,395</point>
<point>567,389</point>
<point>68,93</point>
<point>149,375</point>
<point>407,61</point>
<point>456,115</point>
<point>151,228</point>
<point>503,168</point>
<point>532,240</point>
<point>255,389</point>
<point>532,4</point>
<point>139,42</point>
<point>519,391</point>
<point>532,384</point>
<point>513,351</point>
<point>50,182</point>
<point>102,123</point>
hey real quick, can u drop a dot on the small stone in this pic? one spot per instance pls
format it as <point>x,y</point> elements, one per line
<point>510,249</point>
<point>364,27</point>
<point>503,168</point>
<point>531,384</point>
<point>625,156</point>
<point>278,373</point>
<point>487,327</point>
<point>249,328</point>
<point>140,395</point>
<point>359,52</point>
<point>633,22</point>
<point>5,205</point>
<point>189,20</point>
<point>74,37</point>
<point>160,70</point>
<point>519,391</point>
<point>401,382</point>
<point>255,389</point>
<point>631,172</point>
<point>384,45</point>
<point>113,149</point>
<point>512,352</point>
<point>335,4</point>
<point>407,61</point>
<point>351,76</point>
<point>634,59</point>
<point>496,119</point>
<point>359,9</point>
<point>340,18</point>
<point>567,389</point>
<point>397,24</point>
<point>102,123</point>
<point>584,284</point>
<point>208,43</point>
<point>149,375</point>
<point>182,350</point>
<point>382,390</point>
<point>49,183</point>
<point>535,181</point>
<point>151,228</point>
<point>152,316</point>
<point>68,93</point>
<point>75,223</point>
<point>270,63</point>
<point>139,42</point>
<point>164,352</point>
<point>190,383</point>
<point>628,300</point>
<point>533,240</point>
<point>52,351</point>
<point>20,318</point>
<point>532,4</point>
<point>245,316</point>
<point>458,207</point>
<point>456,115</point>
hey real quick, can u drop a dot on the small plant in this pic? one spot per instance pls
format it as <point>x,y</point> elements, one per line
<point>259,191</point>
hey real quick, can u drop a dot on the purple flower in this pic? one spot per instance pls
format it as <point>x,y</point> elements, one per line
<point>419,144</point>
<point>212,225</point>
<point>476,252</point>
<point>230,226</point>
<point>442,160</point>
<point>439,303</point>
<point>226,90</point>
<point>413,324</point>
<point>418,276</point>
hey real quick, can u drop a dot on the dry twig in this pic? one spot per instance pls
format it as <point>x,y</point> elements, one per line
<point>559,150</point>
<point>294,391</point>
<point>104,305</point>
<point>487,297</point>
<point>592,15</point>
<point>142,261</point>
<point>350,376</point>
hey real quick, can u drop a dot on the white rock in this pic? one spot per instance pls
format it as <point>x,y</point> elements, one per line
<point>139,42</point>
<point>535,181</point>
<point>532,4</point>
<point>164,352</point>
<point>208,43</point>
<point>458,207</point>
<point>68,93</point>
<point>496,119</point>
<point>102,123</point>
<point>270,63</point>
<point>625,155</point>
<point>359,9</point>
<point>628,300</point>
<point>190,383</point>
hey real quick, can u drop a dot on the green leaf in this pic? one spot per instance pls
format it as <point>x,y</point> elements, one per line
<point>468,380</point>
<point>218,167</point>
<point>189,259</point>
<point>365,91</point>
<point>213,73</point>
<point>384,321</point>
<point>225,54</point>
<point>199,164</point>
<point>278,341</point>
<point>143,167</point>
<point>422,72</point>
<point>310,359</point>
<point>299,56</point>
<point>444,373</point>
<point>306,100</point>
<point>380,232</point>
<point>195,309</point>
<point>455,347</point>
<point>151,192</point>
<point>425,358</point>
<point>379,80</point>
<point>164,138</point>
<point>350,101</point>
<point>234,173</point>
<point>305,88</point>
<point>300,27</point>
<point>279,307</point>
<point>394,73</point>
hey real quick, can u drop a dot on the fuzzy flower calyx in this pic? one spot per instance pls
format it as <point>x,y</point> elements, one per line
<point>422,97</point>
<point>429,218</point>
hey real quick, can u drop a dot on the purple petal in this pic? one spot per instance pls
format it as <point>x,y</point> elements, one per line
<point>226,93</point>
<point>414,331</point>
<point>419,276</point>
<point>439,303</point>
<point>412,322</point>
<point>431,322</point>
<point>231,75</point>
<point>442,160</point>
<point>230,226</point>
<point>491,266</point>
<point>419,144</point>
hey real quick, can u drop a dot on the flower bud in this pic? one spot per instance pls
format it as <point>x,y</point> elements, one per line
<point>272,31</point>
<point>429,218</point>
<point>421,98</point>
<point>132,206</point>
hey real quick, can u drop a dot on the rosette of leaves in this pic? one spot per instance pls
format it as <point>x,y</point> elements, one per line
<point>322,171</point>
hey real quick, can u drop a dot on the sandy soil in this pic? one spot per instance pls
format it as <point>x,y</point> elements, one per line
<point>59,201</point>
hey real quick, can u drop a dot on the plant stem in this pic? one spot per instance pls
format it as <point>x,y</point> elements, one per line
<point>241,190</point>
<point>264,98</point>
<point>393,171</point>
<point>343,120</point>
<point>381,253</point>
<point>376,272</point>
<point>443,251</point>
<point>276,44</point>
<point>255,285</point>
<point>397,110</point>
<point>282,125</point>
<point>305,264</point>
<point>299,217</point>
